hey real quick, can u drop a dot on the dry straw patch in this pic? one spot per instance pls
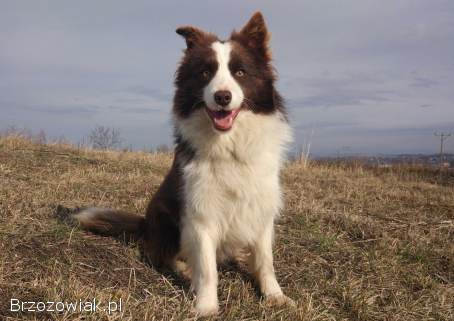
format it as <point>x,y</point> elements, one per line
<point>352,244</point>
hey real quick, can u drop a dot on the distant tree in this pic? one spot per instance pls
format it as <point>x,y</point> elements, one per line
<point>10,130</point>
<point>16,131</point>
<point>38,138</point>
<point>102,137</point>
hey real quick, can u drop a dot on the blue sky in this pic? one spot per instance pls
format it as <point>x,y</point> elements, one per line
<point>376,76</point>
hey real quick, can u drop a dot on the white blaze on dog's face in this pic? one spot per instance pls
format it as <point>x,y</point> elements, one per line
<point>223,96</point>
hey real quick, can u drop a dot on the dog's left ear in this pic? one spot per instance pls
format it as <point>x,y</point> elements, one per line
<point>192,35</point>
<point>255,34</point>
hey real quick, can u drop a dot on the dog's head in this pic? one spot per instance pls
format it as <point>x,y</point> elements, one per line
<point>226,77</point>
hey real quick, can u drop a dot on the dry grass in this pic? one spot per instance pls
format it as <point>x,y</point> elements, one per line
<point>352,244</point>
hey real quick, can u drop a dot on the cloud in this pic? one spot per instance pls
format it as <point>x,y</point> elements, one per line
<point>423,82</point>
<point>138,110</point>
<point>150,92</point>
<point>358,129</point>
<point>62,110</point>
<point>342,90</point>
<point>339,97</point>
<point>322,125</point>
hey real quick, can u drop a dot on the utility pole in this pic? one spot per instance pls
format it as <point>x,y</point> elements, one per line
<point>443,137</point>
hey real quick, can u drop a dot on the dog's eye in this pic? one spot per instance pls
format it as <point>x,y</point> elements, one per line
<point>239,73</point>
<point>206,74</point>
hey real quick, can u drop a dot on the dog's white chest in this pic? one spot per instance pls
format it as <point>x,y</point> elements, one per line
<point>232,188</point>
<point>230,199</point>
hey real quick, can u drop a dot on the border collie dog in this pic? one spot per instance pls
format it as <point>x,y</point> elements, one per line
<point>222,193</point>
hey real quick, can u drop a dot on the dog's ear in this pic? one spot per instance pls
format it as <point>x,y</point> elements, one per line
<point>255,34</point>
<point>192,35</point>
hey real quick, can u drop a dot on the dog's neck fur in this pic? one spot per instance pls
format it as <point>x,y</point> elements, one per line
<point>252,136</point>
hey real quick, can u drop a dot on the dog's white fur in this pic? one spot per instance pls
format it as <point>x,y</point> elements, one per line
<point>223,80</point>
<point>232,193</point>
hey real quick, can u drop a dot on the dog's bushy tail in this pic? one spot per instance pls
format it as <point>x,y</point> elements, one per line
<point>106,222</point>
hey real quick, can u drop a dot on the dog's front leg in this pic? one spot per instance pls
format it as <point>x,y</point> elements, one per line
<point>202,260</point>
<point>261,265</point>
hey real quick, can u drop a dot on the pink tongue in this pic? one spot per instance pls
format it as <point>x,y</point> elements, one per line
<point>223,120</point>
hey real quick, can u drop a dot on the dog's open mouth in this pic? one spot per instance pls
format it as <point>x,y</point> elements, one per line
<point>223,119</point>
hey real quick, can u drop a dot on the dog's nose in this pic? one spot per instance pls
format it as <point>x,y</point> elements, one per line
<point>223,97</point>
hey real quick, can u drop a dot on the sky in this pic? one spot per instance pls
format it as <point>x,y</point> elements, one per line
<point>358,76</point>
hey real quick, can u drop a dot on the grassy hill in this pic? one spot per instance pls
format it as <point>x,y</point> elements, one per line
<point>352,243</point>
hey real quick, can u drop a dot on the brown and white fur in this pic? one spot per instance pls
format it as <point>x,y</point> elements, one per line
<point>222,193</point>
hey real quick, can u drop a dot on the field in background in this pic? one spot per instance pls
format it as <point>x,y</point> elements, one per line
<point>352,244</point>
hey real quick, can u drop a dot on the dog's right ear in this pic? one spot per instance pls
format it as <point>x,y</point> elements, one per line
<point>191,35</point>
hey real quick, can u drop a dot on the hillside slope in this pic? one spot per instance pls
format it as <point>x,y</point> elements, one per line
<point>352,244</point>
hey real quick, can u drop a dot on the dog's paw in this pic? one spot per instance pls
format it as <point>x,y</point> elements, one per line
<point>206,306</point>
<point>279,300</point>
<point>202,309</point>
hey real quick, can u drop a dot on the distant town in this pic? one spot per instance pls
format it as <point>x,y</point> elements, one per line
<point>432,160</point>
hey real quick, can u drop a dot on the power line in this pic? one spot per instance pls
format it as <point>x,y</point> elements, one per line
<point>443,137</point>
